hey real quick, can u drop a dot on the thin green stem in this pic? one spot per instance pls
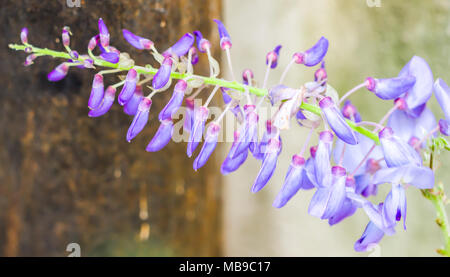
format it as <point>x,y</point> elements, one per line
<point>148,70</point>
<point>437,197</point>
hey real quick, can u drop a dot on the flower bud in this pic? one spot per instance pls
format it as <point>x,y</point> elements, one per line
<point>162,136</point>
<point>163,75</point>
<point>103,32</point>
<point>129,87</point>
<point>140,119</point>
<point>391,88</point>
<point>106,104</point>
<point>137,41</point>
<point>212,134</point>
<point>131,107</point>
<point>225,39</point>
<point>97,92</point>
<point>175,101</point>
<point>58,73</point>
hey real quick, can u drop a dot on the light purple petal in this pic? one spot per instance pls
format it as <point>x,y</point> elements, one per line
<point>442,93</point>
<point>210,144</point>
<point>162,76</point>
<point>396,151</point>
<point>371,237</point>
<point>97,92</point>
<point>162,136</point>
<point>419,94</point>
<point>292,182</point>
<point>140,119</point>
<point>106,104</point>
<point>182,46</point>
<point>337,121</point>
<point>388,89</point>
<point>131,107</point>
<point>200,117</point>
<point>129,87</point>
<point>175,101</point>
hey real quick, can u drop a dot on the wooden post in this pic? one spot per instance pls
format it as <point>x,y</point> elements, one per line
<point>65,177</point>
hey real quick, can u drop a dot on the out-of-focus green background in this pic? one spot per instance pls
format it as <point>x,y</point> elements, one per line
<point>364,41</point>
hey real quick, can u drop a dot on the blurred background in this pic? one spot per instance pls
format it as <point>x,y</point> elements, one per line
<point>67,178</point>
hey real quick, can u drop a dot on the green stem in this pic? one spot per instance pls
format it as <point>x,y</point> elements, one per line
<point>437,197</point>
<point>176,75</point>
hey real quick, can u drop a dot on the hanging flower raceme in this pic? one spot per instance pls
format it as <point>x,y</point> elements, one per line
<point>344,172</point>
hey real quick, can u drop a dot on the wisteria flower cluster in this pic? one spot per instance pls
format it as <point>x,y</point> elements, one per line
<point>347,165</point>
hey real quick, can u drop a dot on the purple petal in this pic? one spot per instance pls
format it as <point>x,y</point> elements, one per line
<point>189,115</point>
<point>58,73</point>
<point>232,164</point>
<point>140,119</point>
<point>24,35</point>
<point>371,236</point>
<point>444,127</point>
<point>210,144</point>
<point>394,207</point>
<point>225,39</point>
<point>388,89</point>
<point>202,43</point>
<point>175,101</point>
<point>353,154</point>
<point>322,165</point>
<point>396,151</point>
<point>182,46</point>
<point>337,121</point>
<point>106,104</point>
<point>292,182</point>
<point>268,165</point>
<point>226,98</point>
<point>137,41</point>
<point>200,117</point>
<point>248,131</point>
<point>418,95</point>
<point>162,136</point>
<point>348,209</point>
<point>420,177</point>
<point>314,55</point>
<point>111,57</point>
<point>349,111</point>
<point>103,32</point>
<point>163,75</point>
<point>272,57</point>
<point>442,93</point>
<point>132,105</point>
<point>129,87</point>
<point>97,92</point>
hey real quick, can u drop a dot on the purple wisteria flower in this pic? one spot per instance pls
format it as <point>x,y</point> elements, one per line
<point>131,107</point>
<point>182,46</point>
<point>230,163</point>
<point>391,88</point>
<point>162,136</point>
<point>97,92</point>
<point>175,102</point>
<point>103,32</point>
<point>272,57</point>
<point>268,165</point>
<point>163,75</point>
<point>129,87</point>
<point>202,43</point>
<point>198,126</point>
<point>396,151</point>
<point>137,41</point>
<point>108,100</point>
<point>248,131</point>
<point>314,55</point>
<point>24,35</point>
<point>337,121</point>
<point>442,93</point>
<point>225,39</point>
<point>140,119</point>
<point>372,236</point>
<point>417,96</point>
<point>212,134</point>
<point>58,73</point>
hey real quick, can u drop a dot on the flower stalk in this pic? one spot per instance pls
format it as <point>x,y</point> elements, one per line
<point>148,70</point>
